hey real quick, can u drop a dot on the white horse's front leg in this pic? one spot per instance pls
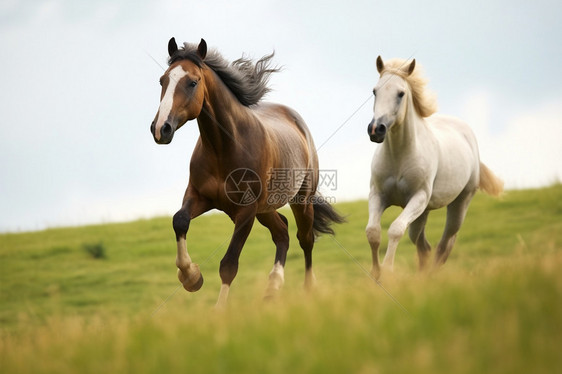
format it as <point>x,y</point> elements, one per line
<point>373,229</point>
<point>415,207</point>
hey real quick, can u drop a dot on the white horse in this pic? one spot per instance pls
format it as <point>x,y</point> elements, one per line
<point>425,162</point>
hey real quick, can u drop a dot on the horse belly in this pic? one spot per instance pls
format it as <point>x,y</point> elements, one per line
<point>458,160</point>
<point>442,197</point>
<point>453,176</point>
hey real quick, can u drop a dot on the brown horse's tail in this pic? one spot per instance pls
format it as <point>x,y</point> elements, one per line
<point>489,182</point>
<point>324,216</point>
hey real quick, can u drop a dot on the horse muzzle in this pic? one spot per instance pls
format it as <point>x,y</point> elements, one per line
<point>376,133</point>
<point>166,133</point>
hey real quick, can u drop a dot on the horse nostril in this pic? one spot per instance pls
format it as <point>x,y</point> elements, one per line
<point>166,130</point>
<point>380,129</point>
<point>370,127</point>
<point>153,127</point>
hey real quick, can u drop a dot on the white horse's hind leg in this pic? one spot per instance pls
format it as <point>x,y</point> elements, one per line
<point>456,212</point>
<point>415,207</point>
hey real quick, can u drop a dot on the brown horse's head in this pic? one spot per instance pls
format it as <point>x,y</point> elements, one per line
<point>182,94</point>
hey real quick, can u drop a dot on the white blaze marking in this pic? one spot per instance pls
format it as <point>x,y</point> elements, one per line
<point>174,76</point>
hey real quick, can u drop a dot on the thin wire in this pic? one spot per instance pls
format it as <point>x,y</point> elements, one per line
<point>333,238</point>
<point>368,273</point>
<point>219,125</point>
<point>155,61</point>
<point>222,244</point>
<point>203,262</point>
<point>344,123</point>
<point>178,287</point>
<point>360,106</point>
<point>165,301</point>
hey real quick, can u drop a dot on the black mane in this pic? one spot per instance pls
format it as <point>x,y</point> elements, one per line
<point>245,79</point>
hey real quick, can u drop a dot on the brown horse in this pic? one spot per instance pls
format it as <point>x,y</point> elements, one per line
<point>251,158</point>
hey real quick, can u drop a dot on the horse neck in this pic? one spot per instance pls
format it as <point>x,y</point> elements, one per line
<point>404,137</point>
<point>222,115</point>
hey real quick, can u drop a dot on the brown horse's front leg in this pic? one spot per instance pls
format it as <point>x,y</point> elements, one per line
<point>188,272</point>
<point>243,222</point>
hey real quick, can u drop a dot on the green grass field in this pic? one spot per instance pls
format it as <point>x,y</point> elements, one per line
<point>495,307</point>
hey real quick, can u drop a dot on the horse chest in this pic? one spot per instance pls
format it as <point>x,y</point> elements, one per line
<point>397,190</point>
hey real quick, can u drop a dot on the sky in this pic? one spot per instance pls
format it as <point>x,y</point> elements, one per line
<point>80,89</point>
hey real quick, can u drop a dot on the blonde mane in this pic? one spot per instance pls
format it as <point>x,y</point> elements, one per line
<point>425,102</point>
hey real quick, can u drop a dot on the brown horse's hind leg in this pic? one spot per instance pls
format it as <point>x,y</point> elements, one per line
<point>304,217</point>
<point>278,227</point>
<point>417,236</point>
<point>243,222</point>
<point>456,212</point>
<point>188,272</point>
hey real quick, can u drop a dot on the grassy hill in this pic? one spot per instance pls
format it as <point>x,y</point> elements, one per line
<point>496,305</point>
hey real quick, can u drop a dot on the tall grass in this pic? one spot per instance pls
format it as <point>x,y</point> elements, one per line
<point>496,305</point>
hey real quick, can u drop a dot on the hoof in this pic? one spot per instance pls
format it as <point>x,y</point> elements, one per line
<point>270,298</point>
<point>376,273</point>
<point>195,286</point>
<point>271,293</point>
<point>191,279</point>
<point>309,281</point>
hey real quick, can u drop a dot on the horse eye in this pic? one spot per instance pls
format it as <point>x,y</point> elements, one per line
<point>192,84</point>
<point>401,94</point>
<point>375,92</point>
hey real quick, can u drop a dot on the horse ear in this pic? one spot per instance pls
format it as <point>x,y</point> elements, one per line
<point>172,46</point>
<point>202,49</point>
<point>411,67</point>
<point>380,65</point>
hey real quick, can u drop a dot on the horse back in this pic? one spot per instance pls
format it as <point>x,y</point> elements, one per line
<point>288,135</point>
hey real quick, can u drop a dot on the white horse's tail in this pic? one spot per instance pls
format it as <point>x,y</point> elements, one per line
<point>489,182</point>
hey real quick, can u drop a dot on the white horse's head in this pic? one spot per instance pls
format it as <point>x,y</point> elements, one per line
<point>392,94</point>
